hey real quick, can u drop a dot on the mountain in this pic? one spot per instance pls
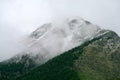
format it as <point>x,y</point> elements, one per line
<point>73,49</point>
<point>55,38</point>
<point>96,59</point>
<point>46,42</point>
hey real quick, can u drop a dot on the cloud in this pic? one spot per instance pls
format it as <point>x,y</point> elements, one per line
<point>20,17</point>
<point>104,13</point>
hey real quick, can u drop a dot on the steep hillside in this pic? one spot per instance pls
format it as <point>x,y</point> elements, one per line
<point>96,59</point>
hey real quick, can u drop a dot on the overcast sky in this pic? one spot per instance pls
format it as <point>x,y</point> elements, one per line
<point>21,17</point>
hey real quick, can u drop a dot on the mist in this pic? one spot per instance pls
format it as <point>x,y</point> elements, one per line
<point>18,18</point>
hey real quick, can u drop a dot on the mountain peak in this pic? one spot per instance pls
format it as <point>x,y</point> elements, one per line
<point>52,39</point>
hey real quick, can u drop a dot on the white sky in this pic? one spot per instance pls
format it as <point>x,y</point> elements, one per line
<point>21,17</point>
